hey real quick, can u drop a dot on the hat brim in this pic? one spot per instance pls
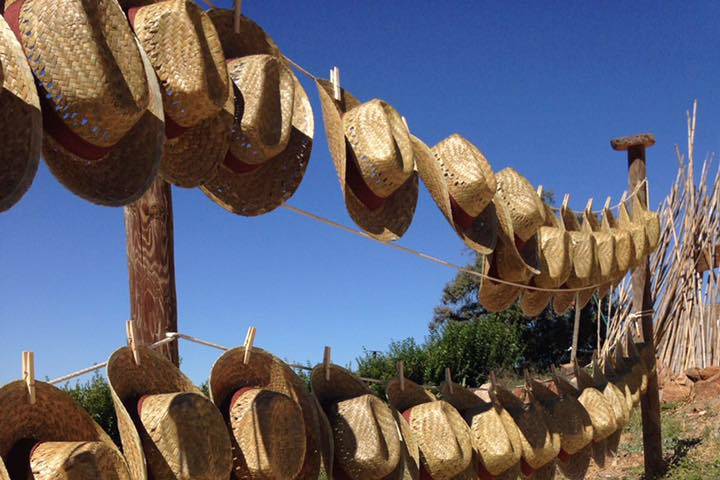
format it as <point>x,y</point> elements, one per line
<point>54,416</point>
<point>495,296</point>
<point>21,120</point>
<point>409,466</point>
<point>128,383</point>
<point>576,466</point>
<point>390,220</point>
<point>271,184</point>
<point>126,172</point>
<point>405,398</point>
<point>264,370</point>
<point>482,236</point>
<point>342,385</point>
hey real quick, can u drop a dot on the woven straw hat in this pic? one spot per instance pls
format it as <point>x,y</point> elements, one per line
<point>272,133</point>
<point>495,296</point>
<point>540,445</point>
<point>566,416</point>
<point>637,366</point>
<point>366,437</point>
<point>624,250</point>
<point>605,248</point>
<point>615,376</point>
<point>629,379</point>
<point>575,467</point>
<point>493,447</point>
<point>54,438</point>
<point>274,420</point>
<point>651,222</point>
<point>373,155</point>
<point>20,121</point>
<point>440,432</point>
<point>168,428</point>
<point>636,231</point>
<point>553,244</point>
<point>409,466</point>
<point>462,183</point>
<point>615,395</point>
<point>524,205</point>
<point>185,51</point>
<point>597,405</point>
<point>101,105</point>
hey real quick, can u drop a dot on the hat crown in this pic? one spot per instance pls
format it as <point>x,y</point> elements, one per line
<point>185,51</point>
<point>270,432</point>
<point>84,55</point>
<point>468,175</point>
<point>266,90</point>
<point>525,206</point>
<point>380,144</point>
<point>77,461</point>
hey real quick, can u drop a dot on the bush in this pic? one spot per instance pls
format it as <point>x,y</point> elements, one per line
<point>94,396</point>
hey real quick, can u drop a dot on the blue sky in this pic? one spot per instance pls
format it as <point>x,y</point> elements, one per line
<point>541,87</point>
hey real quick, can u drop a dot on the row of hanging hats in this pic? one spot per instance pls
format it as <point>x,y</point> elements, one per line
<point>118,93</point>
<point>262,422</point>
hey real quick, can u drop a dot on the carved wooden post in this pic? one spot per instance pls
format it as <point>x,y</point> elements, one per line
<point>643,305</point>
<point>151,263</point>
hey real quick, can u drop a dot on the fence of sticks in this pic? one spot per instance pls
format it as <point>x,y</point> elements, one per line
<point>685,280</point>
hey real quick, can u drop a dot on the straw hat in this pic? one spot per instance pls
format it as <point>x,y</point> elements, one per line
<point>54,438</point>
<point>495,296</point>
<point>272,133</point>
<point>102,109</point>
<point>651,222</point>
<point>566,416</point>
<point>440,432</point>
<point>493,447</point>
<point>575,467</point>
<point>624,250</point>
<point>274,420</point>
<point>462,183</point>
<point>540,445</point>
<point>526,208</point>
<point>373,155</point>
<point>615,376</point>
<point>597,405</point>
<point>615,395</point>
<point>636,231</point>
<point>366,436</point>
<point>553,244</point>
<point>637,366</point>
<point>20,120</point>
<point>185,52</point>
<point>409,466</point>
<point>605,248</point>
<point>168,428</point>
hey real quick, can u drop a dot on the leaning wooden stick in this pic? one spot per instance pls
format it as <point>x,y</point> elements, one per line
<point>327,360</point>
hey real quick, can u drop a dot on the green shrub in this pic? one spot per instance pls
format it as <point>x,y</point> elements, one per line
<point>94,396</point>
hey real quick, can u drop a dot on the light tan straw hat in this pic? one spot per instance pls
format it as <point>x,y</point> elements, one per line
<point>273,418</point>
<point>374,158</point>
<point>553,244</point>
<point>366,437</point>
<point>409,466</point>
<point>605,248</point>
<point>20,121</point>
<point>636,231</point>
<point>651,222</point>
<point>615,395</point>
<point>168,428</point>
<point>101,105</point>
<point>462,183</point>
<point>185,51</point>
<point>540,445</point>
<point>53,439</point>
<point>494,449</point>
<point>272,133</point>
<point>597,405</point>
<point>440,432</point>
<point>624,250</point>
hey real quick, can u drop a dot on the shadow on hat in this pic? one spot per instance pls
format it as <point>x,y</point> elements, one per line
<point>366,436</point>
<point>373,154</point>
<point>494,451</point>
<point>20,121</point>
<point>442,435</point>
<point>54,438</point>
<point>274,421</point>
<point>101,104</point>
<point>168,428</point>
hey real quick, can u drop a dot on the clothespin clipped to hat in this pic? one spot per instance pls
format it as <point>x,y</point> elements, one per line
<point>493,384</point>
<point>133,340</point>
<point>448,379</point>
<point>238,14</point>
<point>335,81</point>
<point>28,374</point>
<point>623,199</point>
<point>401,374</point>
<point>327,360</point>
<point>588,206</point>
<point>607,203</point>
<point>249,341</point>
<point>565,202</point>
<point>540,191</point>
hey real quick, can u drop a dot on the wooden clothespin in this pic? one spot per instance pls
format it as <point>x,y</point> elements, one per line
<point>327,360</point>
<point>624,197</point>
<point>401,374</point>
<point>540,191</point>
<point>133,340</point>
<point>28,374</point>
<point>238,14</point>
<point>588,206</point>
<point>404,120</point>
<point>565,202</point>
<point>448,379</point>
<point>335,81</point>
<point>607,203</point>
<point>249,341</point>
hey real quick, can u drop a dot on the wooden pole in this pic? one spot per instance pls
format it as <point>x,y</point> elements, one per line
<point>643,305</point>
<point>576,329</point>
<point>151,264</point>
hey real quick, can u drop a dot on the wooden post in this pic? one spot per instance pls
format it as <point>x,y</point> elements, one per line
<point>576,329</point>
<point>643,305</point>
<point>151,264</point>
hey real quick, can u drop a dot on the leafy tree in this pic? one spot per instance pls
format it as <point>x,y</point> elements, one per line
<point>94,396</point>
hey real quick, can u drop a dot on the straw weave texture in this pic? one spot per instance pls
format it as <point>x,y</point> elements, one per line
<point>77,461</point>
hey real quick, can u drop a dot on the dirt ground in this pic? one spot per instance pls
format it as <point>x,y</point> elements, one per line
<point>691,444</point>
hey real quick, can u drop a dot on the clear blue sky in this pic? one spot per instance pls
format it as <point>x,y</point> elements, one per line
<point>539,88</point>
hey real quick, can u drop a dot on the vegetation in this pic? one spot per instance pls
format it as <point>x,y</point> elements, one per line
<point>94,396</point>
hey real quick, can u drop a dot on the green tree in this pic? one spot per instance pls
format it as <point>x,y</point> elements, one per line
<point>94,396</point>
